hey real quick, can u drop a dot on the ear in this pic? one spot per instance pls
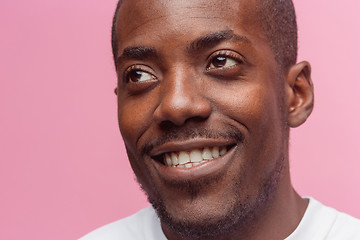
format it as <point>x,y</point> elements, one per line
<point>300,94</point>
<point>116,91</point>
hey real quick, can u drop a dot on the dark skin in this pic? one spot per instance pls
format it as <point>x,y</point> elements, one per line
<point>197,74</point>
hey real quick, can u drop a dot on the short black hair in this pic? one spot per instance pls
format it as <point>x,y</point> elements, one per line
<point>113,30</point>
<point>278,20</point>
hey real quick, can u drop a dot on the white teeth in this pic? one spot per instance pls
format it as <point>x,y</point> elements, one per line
<point>168,159</point>
<point>206,154</point>
<point>215,152</point>
<point>184,158</point>
<point>188,165</point>
<point>174,159</point>
<point>193,158</point>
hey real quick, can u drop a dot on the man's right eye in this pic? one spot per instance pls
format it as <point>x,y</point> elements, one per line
<point>135,74</point>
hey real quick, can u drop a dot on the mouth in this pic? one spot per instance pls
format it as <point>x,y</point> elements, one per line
<point>191,158</point>
<point>194,158</point>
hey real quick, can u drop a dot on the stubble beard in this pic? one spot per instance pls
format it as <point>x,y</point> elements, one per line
<point>239,215</point>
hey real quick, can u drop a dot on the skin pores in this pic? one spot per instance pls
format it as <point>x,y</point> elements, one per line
<point>191,78</point>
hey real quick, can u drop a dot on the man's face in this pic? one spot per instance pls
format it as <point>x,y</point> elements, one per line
<point>198,81</point>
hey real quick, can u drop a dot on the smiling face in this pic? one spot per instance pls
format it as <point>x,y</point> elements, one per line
<point>201,108</point>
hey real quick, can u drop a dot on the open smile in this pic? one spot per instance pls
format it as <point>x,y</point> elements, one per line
<point>191,160</point>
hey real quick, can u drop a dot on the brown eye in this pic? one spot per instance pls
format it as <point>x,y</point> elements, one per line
<point>139,76</point>
<point>221,62</point>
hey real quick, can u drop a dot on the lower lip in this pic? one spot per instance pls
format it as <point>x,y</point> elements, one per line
<point>203,170</point>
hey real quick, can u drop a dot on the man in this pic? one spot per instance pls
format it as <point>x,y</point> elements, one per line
<point>207,91</point>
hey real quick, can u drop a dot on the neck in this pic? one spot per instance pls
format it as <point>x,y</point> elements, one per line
<point>280,218</point>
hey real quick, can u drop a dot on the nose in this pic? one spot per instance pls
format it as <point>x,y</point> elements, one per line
<point>181,100</point>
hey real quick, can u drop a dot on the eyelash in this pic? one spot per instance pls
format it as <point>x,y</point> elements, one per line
<point>136,67</point>
<point>226,54</point>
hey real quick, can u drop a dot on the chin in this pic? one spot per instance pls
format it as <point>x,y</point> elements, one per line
<point>207,219</point>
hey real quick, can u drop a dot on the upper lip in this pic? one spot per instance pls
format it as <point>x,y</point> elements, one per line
<point>190,144</point>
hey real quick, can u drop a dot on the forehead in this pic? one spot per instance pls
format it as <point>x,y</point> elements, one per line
<point>140,21</point>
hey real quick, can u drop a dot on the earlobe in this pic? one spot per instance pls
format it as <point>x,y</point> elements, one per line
<point>300,94</point>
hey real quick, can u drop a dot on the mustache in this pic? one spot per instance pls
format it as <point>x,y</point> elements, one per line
<point>186,133</point>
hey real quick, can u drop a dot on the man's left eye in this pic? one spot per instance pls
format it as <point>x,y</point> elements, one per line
<point>220,62</point>
<point>139,76</point>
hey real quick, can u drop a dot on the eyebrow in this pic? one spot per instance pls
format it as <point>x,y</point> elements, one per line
<point>212,39</point>
<point>138,53</point>
<point>201,43</point>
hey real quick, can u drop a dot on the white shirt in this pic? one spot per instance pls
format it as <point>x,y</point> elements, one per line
<point>321,222</point>
<point>318,223</point>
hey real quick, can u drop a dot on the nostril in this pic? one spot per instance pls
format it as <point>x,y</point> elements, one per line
<point>197,110</point>
<point>167,125</point>
<point>196,119</point>
<point>171,126</point>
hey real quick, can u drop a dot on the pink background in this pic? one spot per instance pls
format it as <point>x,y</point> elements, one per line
<point>63,170</point>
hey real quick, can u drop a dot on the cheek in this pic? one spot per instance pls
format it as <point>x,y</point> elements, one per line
<point>257,107</point>
<point>134,118</point>
<point>250,105</point>
<point>261,113</point>
<point>266,132</point>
